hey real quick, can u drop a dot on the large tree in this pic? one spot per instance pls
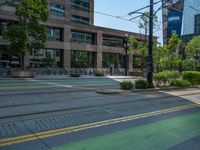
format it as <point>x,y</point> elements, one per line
<point>193,51</point>
<point>168,55</point>
<point>28,33</point>
<point>144,23</point>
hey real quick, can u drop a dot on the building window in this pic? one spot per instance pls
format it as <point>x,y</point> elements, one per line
<point>80,19</point>
<point>80,59</point>
<point>81,5</point>
<point>45,58</point>
<point>57,10</point>
<point>3,26</point>
<point>117,60</point>
<point>54,34</point>
<point>112,41</point>
<point>81,37</point>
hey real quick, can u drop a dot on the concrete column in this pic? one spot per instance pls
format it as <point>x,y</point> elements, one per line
<point>99,50</point>
<point>67,48</point>
<point>130,62</point>
<point>27,60</point>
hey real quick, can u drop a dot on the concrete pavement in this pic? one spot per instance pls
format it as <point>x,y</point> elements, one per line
<point>63,119</point>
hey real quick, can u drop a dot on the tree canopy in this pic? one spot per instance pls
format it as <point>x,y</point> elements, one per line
<point>28,33</point>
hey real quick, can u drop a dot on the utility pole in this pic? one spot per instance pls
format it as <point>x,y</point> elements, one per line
<point>150,45</point>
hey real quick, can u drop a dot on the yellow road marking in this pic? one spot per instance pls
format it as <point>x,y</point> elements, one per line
<point>55,132</point>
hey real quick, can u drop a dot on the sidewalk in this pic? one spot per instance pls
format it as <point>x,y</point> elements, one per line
<point>67,77</point>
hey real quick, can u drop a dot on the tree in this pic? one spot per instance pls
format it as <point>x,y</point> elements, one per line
<point>144,22</point>
<point>139,48</point>
<point>193,50</point>
<point>168,55</point>
<point>173,46</point>
<point>28,34</point>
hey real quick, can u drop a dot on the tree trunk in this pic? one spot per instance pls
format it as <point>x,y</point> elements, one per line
<point>22,64</point>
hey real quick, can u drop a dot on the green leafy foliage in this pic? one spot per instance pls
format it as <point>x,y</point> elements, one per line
<point>141,84</point>
<point>193,53</point>
<point>165,77</point>
<point>127,85</point>
<point>28,33</point>
<point>181,83</point>
<point>192,76</point>
<point>168,55</point>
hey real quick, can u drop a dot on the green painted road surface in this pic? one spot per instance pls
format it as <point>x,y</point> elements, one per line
<point>156,136</point>
<point>78,82</point>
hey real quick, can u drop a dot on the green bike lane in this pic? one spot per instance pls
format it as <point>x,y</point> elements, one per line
<point>29,86</point>
<point>160,135</point>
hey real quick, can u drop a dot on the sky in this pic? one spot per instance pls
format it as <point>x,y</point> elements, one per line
<point>122,8</point>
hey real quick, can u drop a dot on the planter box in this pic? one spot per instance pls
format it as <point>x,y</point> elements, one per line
<point>75,74</point>
<point>22,74</point>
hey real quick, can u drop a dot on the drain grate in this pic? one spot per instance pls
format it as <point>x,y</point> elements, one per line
<point>49,123</point>
<point>68,120</point>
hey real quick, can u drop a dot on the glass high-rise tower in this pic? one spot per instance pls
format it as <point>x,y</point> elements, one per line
<point>172,18</point>
<point>191,19</point>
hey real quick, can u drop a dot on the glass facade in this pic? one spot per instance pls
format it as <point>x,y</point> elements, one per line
<point>172,18</point>
<point>81,4</point>
<point>81,37</point>
<point>45,58</point>
<point>57,10</point>
<point>83,59</point>
<point>189,16</point>
<point>80,19</point>
<point>3,25</point>
<point>112,41</point>
<point>54,34</point>
<point>7,61</point>
<point>115,59</point>
<point>191,22</point>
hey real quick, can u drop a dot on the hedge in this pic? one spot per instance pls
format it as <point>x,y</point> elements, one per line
<point>141,84</point>
<point>192,76</point>
<point>181,83</point>
<point>165,77</point>
<point>127,85</point>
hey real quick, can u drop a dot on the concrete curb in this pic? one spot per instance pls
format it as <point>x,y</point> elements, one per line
<point>109,91</point>
<point>119,91</point>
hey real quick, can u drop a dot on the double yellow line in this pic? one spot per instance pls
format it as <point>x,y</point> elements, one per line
<point>55,132</point>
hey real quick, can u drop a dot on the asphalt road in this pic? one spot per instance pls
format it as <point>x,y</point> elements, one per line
<point>61,114</point>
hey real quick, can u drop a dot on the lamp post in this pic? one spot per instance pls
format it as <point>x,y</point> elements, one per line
<point>150,45</point>
<point>126,45</point>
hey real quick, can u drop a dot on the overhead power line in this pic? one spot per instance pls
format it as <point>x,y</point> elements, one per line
<point>135,11</point>
<point>113,16</point>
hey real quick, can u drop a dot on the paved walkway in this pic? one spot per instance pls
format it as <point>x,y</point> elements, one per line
<point>192,95</point>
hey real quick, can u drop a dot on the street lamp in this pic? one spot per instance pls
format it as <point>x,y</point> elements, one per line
<point>126,46</point>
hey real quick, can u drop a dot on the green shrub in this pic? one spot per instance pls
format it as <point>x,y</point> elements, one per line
<point>192,76</point>
<point>141,84</point>
<point>165,77</point>
<point>127,85</point>
<point>99,74</point>
<point>181,83</point>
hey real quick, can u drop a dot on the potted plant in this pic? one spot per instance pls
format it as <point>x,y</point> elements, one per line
<point>27,34</point>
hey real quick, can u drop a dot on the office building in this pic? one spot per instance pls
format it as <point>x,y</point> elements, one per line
<point>172,18</point>
<point>72,40</point>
